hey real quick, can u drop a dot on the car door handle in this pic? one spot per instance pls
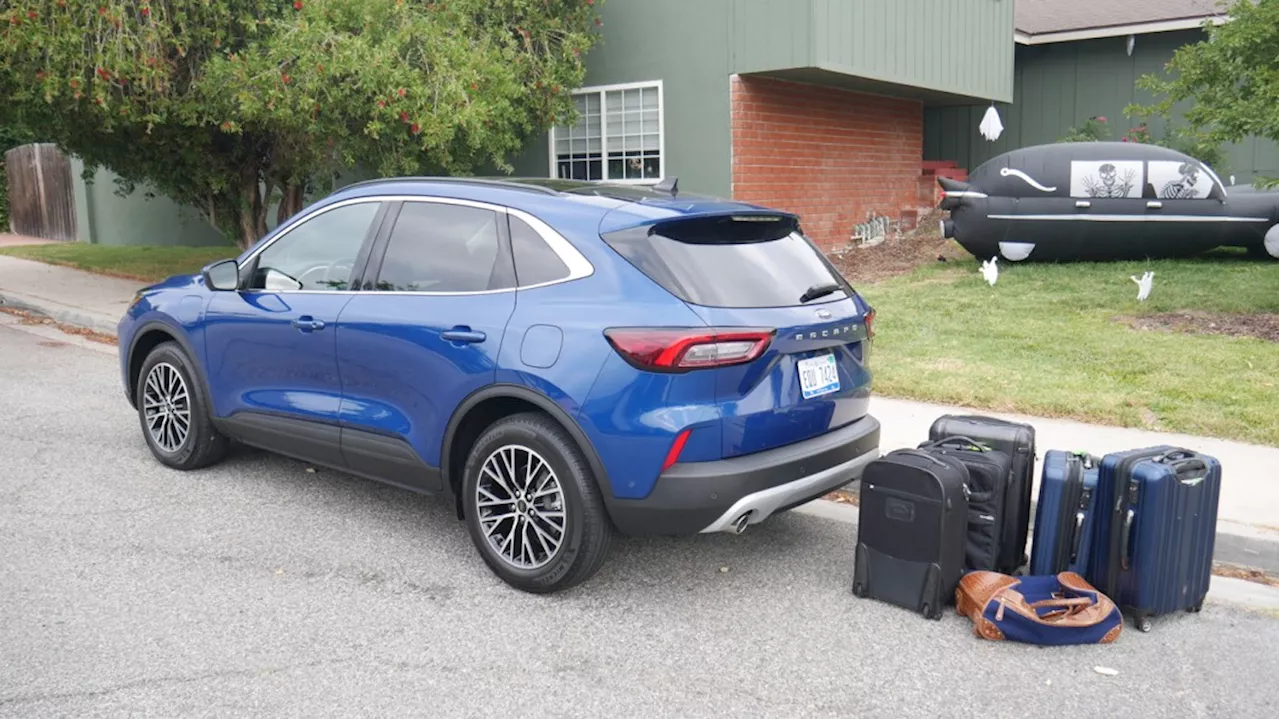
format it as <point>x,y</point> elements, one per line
<point>1083,204</point>
<point>463,335</point>
<point>308,324</point>
<point>1153,205</point>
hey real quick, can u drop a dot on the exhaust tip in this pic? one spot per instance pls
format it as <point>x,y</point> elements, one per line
<point>740,524</point>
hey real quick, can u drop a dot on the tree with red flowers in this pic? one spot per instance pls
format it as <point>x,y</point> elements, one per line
<point>231,105</point>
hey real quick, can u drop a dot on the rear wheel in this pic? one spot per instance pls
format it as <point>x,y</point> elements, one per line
<point>532,505</point>
<point>173,412</point>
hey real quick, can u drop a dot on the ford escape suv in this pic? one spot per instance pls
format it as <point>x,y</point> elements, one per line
<point>559,359</point>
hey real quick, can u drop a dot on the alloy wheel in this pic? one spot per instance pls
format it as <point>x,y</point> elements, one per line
<point>166,407</point>
<point>520,505</point>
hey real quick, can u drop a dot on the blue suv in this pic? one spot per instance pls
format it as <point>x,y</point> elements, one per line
<point>561,360</point>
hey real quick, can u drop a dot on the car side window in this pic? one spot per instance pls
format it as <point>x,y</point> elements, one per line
<point>319,254</point>
<point>536,262</point>
<point>438,247</point>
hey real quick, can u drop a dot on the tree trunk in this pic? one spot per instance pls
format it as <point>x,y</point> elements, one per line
<point>251,214</point>
<point>290,202</point>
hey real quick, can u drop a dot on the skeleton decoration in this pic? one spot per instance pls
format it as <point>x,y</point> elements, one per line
<point>1179,180</point>
<point>1144,285</point>
<point>1107,180</point>
<point>989,271</point>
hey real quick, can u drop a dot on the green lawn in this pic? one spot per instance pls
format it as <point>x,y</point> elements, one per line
<point>148,264</point>
<point>1047,340</point>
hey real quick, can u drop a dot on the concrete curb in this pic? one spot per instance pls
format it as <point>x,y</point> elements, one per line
<point>59,312</point>
<point>1227,548</point>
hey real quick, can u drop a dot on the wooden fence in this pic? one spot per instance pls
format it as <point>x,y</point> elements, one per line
<point>41,192</point>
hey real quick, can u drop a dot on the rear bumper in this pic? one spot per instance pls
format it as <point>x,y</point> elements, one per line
<point>711,496</point>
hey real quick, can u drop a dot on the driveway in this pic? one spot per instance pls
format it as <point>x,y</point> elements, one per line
<point>260,588</point>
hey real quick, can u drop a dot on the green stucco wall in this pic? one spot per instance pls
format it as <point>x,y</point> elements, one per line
<point>695,46</point>
<point>960,47</point>
<point>686,45</point>
<point>1058,86</point>
<point>105,218</point>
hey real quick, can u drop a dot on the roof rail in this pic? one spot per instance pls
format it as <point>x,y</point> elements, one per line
<point>480,181</point>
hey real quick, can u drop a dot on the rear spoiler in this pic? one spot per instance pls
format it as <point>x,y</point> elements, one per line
<point>955,191</point>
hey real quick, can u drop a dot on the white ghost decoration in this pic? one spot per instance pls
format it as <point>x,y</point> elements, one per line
<point>989,271</point>
<point>1144,285</point>
<point>991,127</point>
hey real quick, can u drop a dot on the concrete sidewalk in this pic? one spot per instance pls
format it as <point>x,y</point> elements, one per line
<point>67,295</point>
<point>1249,504</point>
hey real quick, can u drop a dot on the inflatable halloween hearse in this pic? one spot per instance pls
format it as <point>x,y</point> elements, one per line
<point>1103,201</point>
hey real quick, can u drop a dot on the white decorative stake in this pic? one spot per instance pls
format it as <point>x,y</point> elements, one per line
<point>1144,285</point>
<point>991,127</point>
<point>989,271</point>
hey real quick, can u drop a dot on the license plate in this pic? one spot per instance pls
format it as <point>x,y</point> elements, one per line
<point>818,376</point>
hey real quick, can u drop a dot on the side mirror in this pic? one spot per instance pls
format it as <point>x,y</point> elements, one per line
<point>222,276</point>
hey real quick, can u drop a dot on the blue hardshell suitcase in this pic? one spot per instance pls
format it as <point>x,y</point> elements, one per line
<point>1159,550</point>
<point>1060,540</point>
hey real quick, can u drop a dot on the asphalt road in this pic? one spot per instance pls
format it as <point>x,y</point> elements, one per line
<point>259,588</point>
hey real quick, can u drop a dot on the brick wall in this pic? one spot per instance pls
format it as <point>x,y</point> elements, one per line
<point>828,155</point>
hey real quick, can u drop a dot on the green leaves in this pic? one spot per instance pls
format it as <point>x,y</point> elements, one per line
<point>211,100</point>
<point>1228,82</point>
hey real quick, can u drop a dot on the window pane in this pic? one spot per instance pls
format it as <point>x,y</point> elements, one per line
<point>650,143</point>
<point>613,101</point>
<point>536,262</point>
<point>441,248</point>
<point>649,99</point>
<point>651,168</point>
<point>616,169</point>
<point>318,254</point>
<point>595,170</point>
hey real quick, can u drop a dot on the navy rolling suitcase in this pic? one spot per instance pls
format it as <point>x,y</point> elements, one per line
<point>1064,513</point>
<point>1157,554</point>
<point>1019,442</point>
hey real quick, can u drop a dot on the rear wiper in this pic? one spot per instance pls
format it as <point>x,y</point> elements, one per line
<point>817,291</point>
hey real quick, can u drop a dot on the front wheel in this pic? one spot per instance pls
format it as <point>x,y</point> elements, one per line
<point>532,505</point>
<point>173,411</point>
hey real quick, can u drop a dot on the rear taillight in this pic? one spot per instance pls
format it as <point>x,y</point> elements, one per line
<point>870,317</point>
<point>679,350</point>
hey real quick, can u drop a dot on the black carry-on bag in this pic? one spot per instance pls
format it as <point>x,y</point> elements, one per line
<point>989,477</point>
<point>1019,442</point>
<point>911,530</point>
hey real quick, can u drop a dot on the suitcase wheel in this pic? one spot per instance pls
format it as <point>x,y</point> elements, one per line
<point>927,611</point>
<point>1196,609</point>
<point>1142,623</point>
<point>859,590</point>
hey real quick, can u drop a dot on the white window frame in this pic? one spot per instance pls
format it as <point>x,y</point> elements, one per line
<point>552,164</point>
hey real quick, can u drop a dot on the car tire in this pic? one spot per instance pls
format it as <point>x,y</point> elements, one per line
<point>169,377</point>
<point>552,481</point>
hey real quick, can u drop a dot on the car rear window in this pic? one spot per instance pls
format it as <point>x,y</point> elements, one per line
<point>731,261</point>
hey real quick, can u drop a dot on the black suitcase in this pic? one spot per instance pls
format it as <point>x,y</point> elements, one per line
<point>1019,442</point>
<point>911,530</point>
<point>989,476</point>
